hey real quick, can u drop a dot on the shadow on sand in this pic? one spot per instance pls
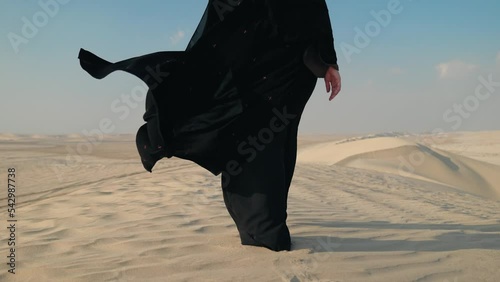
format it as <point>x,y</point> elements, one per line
<point>454,237</point>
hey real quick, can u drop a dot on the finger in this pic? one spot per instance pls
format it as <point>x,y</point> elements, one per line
<point>335,91</point>
<point>327,83</point>
<point>332,96</point>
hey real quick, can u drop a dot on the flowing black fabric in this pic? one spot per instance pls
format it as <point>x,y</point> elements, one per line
<point>249,62</point>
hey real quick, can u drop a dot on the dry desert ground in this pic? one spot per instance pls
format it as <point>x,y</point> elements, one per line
<point>383,207</point>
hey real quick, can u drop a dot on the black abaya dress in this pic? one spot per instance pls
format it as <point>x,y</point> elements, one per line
<point>232,102</point>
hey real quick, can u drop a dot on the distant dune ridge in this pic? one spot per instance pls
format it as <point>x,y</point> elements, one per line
<point>8,137</point>
<point>380,207</point>
<point>410,159</point>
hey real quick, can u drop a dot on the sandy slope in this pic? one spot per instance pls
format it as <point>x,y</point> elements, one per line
<point>352,213</point>
<point>407,158</point>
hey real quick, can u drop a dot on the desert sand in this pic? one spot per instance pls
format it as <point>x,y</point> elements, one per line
<point>383,207</point>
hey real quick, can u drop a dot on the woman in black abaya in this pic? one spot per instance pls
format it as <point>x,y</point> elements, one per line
<point>232,102</point>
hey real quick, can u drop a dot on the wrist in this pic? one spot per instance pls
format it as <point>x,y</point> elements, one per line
<point>335,66</point>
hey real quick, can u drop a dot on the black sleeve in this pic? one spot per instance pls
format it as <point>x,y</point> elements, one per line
<point>325,39</point>
<point>308,21</point>
<point>321,53</point>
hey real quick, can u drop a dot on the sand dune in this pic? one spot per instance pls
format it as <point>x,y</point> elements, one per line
<point>352,215</point>
<point>8,137</point>
<point>410,159</point>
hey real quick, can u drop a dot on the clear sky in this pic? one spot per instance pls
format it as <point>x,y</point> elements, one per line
<point>419,65</point>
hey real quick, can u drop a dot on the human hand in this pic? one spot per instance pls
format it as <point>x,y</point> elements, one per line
<point>333,82</point>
